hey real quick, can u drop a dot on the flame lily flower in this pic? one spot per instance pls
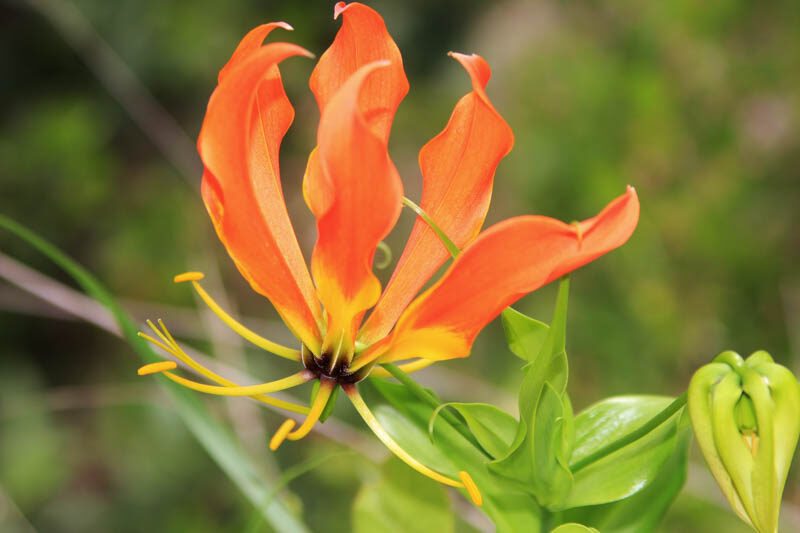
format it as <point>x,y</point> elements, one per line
<point>354,191</point>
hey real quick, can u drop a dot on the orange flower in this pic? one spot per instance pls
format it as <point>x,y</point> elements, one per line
<point>354,191</point>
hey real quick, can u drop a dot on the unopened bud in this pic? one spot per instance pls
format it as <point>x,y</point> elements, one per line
<point>745,418</point>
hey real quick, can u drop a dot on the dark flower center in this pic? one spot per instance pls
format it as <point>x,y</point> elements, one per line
<point>321,367</point>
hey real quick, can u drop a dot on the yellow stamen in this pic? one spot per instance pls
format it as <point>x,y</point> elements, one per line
<point>172,347</point>
<point>751,441</point>
<point>280,435</point>
<point>156,342</point>
<point>326,387</point>
<point>154,368</point>
<point>390,443</point>
<point>408,368</point>
<point>471,487</point>
<point>188,276</point>
<point>251,390</point>
<point>167,337</point>
<point>245,332</point>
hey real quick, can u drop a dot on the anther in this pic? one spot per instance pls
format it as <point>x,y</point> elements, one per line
<point>188,276</point>
<point>471,487</point>
<point>154,368</point>
<point>281,434</point>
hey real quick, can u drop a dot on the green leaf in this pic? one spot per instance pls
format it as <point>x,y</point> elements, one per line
<point>525,335</point>
<point>553,427</point>
<point>406,419</point>
<point>574,528</point>
<point>537,459</point>
<point>642,512</point>
<point>630,468</point>
<point>402,500</point>
<point>212,435</point>
<point>494,429</point>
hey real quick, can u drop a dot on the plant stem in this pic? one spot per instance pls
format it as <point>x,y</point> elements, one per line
<point>649,426</point>
<point>428,398</point>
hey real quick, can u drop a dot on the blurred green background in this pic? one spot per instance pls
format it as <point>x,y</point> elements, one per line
<point>694,103</point>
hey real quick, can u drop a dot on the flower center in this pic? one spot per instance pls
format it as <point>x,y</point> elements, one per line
<point>320,366</point>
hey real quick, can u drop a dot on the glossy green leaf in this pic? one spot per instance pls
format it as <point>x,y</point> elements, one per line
<point>402,500</point>
<point>574,528</point>
<point>630,468</point>
<point>406,418</point>
<point>494,429</point>
<point>642,512</point>
<point>525,335</point>
<point>211,434</point>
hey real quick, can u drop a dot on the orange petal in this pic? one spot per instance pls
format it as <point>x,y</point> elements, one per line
<point>458,168</point>
<point>362,39</point>
<point>250,43</point>
<point>502,264</point>
<point>247,117</point>
<point>355,193</point>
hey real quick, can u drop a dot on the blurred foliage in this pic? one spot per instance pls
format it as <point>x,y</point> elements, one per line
<point>696,104</point>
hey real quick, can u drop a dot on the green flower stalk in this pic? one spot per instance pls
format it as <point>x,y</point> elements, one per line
<point>745,414</point>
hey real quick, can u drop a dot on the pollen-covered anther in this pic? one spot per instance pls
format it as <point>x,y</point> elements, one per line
<point>471,488</point>
<point>188,276</point>
<point>154,368</point>
<point>280,435</point>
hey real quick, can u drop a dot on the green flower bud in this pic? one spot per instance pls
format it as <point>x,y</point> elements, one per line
<point>746,416</point>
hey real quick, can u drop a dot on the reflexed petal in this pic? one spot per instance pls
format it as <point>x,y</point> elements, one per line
<point>458,167</point>
<point>355,193</point>
<point>362,39</point>
<point>502,264</point>
<point>247,117</point>
<point>250,43</point>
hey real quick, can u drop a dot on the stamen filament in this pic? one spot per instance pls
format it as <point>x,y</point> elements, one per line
<point>175,350</point>
<point>280,435</point>
<point>242,330</point>
<point>408,368</point>
<point>250,390</point>
<point>326,387</point>
<point>389,442</point>
<point>156,342</point>
<point>169,340</point>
